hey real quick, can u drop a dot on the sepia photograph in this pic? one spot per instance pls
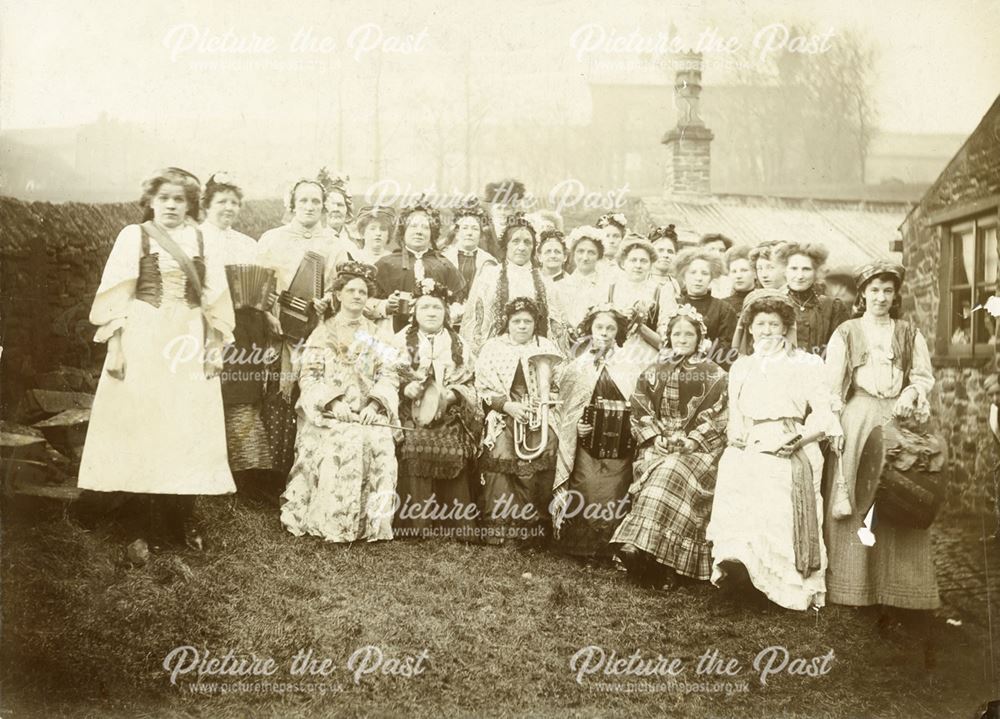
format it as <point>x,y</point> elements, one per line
<point>548,358</point>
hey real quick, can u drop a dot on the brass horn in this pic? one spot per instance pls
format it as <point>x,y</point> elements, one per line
<point>531,437</point>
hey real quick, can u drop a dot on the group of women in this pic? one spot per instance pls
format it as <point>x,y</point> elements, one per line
<point>677,411</point>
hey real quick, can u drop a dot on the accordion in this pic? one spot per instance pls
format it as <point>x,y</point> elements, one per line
<point>297,315</point>
<point>251,286</point>
<point>612,434</point>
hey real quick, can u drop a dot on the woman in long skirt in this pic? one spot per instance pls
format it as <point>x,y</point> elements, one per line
<point>245,370</point>
<point>515,376</point>
<point>439,408</point>
<point>679,412</point>
<point>767,515</point>
<point>593,474</point>
<point>163,306</point>
<point>342,485</point>
<point>879,366</point>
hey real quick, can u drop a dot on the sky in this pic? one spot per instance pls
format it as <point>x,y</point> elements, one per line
<point>64,63</point>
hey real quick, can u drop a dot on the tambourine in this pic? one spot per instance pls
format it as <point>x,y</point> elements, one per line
<point>425,409</point>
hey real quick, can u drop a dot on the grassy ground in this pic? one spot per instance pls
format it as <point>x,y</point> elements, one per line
<point>86,635</point>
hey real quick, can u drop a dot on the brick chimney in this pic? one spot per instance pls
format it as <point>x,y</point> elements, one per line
<point>688,154</point>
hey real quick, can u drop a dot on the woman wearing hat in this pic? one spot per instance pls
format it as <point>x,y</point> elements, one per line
<point>338,206</point>
<point>678,419</point>
<point>696,268</point>
<point>157,427</point>
<point>879,367</point>
<point>718,243</point>
<point>471,231</point>
<point>438,405</point>
<point>342,485</point>
<point>816,315</point>
<point>374,225</point>
<point>641,300</point>
<point>585,286</point>
<point>664,240</point>
<point>518,275</point>
<point>417,257</point>
<point>515,376</point>
<point>767,514</point>
<point>593,474</point>
<point>613,225</point>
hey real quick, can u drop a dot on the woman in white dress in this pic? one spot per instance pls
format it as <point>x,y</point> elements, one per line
<point>163,306</point>
<point>767,515</point>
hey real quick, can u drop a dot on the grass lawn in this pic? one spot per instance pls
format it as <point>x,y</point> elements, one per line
<point>86,635</point>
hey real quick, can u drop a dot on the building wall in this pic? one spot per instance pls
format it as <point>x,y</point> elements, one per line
<point>959,404</point>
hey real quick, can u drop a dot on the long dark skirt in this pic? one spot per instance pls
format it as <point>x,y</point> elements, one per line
<point>599,501</point>
<point>517,493</point>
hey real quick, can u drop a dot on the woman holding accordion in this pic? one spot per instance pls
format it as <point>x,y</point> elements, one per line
<point>442,419</point>
<point>245,369</point>
<point>594,466</point>
<point>515,380</point>
<point>679,418</point>
<point>342,484</point>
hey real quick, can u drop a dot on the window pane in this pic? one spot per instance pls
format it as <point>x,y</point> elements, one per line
<point>985,323</point>
<point>961,321</point>
<point>963,256</point>
<point>988,237</point>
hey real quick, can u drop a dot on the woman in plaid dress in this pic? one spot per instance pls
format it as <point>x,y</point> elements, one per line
<point>679,414</point>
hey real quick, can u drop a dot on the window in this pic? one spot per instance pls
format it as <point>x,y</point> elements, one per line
<point>970,251</point>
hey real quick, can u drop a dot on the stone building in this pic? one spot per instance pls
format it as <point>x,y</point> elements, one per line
<point>950,250</point>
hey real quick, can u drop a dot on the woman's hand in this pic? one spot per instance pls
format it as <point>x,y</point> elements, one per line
<point>517,410</point>
<point>737,443</point>
<point>115,364</point>
<point>392,304</point>
<point>583,429</point>
<point>273,325</point>
<point>369,414</point>
<point>666,445</point>
<point>322,304</point>
<point>837,444</point>
<point>687,446</point>
<point>906,405</point>
<point>413,390</point>
<point>339,410</point>
<point>213,364</point>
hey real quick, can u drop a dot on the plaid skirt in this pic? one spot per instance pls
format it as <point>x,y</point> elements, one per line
<point>671,504</point>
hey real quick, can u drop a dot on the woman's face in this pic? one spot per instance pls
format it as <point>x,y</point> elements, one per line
<point>768,274</point>
<point>336,210</point>
<point>665,253</point>
<point>519,247</point>
<point>683,337</point>
<point>698,278</point>
<point>223,209</point>
<point>741,274</point>
<point>169,205</point>
<point>376,235</point>
<point>879,294</point>
<point>430,313</point>
<point>604,330</point>
<point>612,241</point>
<point>521,327</point>
<point>468,233</point>
<point>637,264</point>
<point>585,256</point>
<point>308,204</point>
<point>418,232</point>
<point>552,256</point>
<point>353,296</point>
<point>800,273</point>
<point>768,331</point>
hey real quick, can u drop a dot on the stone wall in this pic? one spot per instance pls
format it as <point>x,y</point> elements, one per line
<point>958,401</point>
<point>51,260</point>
